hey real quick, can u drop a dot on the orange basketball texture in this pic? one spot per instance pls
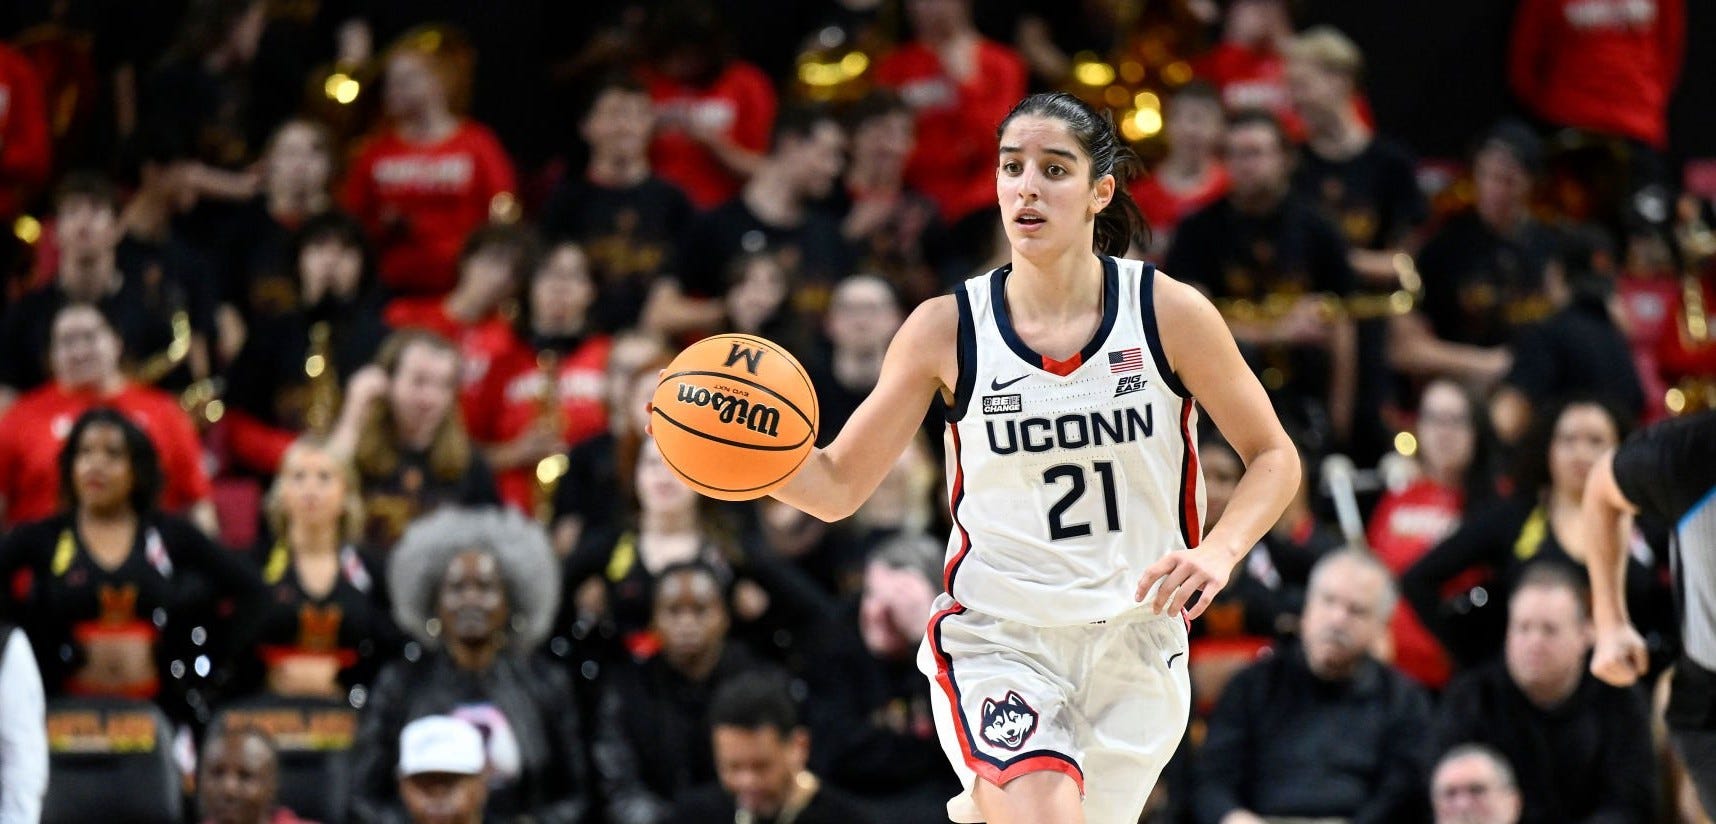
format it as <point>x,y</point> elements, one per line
<point>735,416</point>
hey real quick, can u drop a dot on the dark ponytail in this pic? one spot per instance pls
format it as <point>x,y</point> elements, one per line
<point>1120,224</point>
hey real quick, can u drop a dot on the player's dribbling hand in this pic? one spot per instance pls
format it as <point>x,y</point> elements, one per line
<point>1180,574</point>
<point>1619,656</point>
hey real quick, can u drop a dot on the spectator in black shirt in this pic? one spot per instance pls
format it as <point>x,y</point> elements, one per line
<point>1264,244</point>
<point>773,213</point>
<point>1581,748</point>
<point>1483,270</point>
<point>761,753</point>
<point>862,318</point>
<point>1322,729</point>
<point>1663,473</point>
<point>628,220</point>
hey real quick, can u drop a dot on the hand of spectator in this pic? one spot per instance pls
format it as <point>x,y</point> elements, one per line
<point>868,215</point>
<point>1304,325</point>
<point>1620,655</point>
<point>367,386</point>
<point>536,443</point>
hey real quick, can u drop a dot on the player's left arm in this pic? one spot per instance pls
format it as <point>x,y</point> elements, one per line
<point>1202,352</point>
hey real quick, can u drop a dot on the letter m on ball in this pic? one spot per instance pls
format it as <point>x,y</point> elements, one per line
<point>752,357</point>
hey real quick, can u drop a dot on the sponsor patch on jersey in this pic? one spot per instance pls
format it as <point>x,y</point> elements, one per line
<point>1129,384</point>
<point>1008,723</point>
<point>997,404</point>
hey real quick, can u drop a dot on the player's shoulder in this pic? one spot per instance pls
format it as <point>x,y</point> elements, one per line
<point>934,319</point>
<point>1176,298</point>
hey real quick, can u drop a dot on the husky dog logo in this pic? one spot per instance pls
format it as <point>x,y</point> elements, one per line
<point>1007,724</point>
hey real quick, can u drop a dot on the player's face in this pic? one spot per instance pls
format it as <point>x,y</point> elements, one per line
<point>82,349</point>
<point>759,767</point>
<point>1196,126</point>
<point>620,122</point>
<point>238,780</point>
<point>101,468</point>
<point>562,290</point>
<point>1469,790</point>
<point>690,615</point>
<point>1256,160</point>
<point>423,388</point>
<point>1547,637</point>
<point>1043,185</point>
<point>298,159</point>
<point>473,606</point>
<point>1582,434</point>
<point>312,488</point>
<point>1446,440</point>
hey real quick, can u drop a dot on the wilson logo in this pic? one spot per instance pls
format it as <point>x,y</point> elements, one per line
<point>757,417</point>
<point>752,357</point>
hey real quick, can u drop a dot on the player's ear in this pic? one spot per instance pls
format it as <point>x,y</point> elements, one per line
<point>1102,194</point>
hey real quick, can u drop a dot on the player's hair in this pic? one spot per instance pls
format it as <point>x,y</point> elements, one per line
<point>529,572</point>
<point>1120,224</point>
<point>146,477</point>
<point>1471,749</point>
<point>755,701</point>
<point>1390,593</point>
<point>378,440</point>
<point>1552,575</point>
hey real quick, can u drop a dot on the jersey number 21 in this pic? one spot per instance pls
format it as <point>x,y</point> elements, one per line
<point>1075,473</point>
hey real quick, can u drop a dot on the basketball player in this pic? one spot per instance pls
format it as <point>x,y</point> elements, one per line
<point>1666,473</point>
<point>1069,378</point>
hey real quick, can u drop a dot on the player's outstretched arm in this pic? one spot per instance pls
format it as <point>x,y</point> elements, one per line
<point>1202,352</point>
<point>921,361</point>
<point>1619,655</point>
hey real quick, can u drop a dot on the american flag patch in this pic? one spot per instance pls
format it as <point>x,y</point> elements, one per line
<point>1126,360</point>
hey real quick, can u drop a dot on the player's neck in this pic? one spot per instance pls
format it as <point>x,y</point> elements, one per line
<point>1065,287</point>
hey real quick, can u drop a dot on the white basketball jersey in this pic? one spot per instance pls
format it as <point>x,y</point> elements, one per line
<point>1066,479</point>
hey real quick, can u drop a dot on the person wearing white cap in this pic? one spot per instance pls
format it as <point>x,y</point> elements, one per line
<point>442,762</point>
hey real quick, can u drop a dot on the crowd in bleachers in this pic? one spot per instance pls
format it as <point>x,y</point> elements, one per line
<point>329,328</point>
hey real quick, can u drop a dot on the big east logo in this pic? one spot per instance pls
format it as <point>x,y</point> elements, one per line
<point>757,417</point>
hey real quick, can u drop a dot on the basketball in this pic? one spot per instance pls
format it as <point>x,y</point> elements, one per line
<point>735,416</point>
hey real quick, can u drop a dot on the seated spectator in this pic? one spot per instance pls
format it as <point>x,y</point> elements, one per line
<point>238,779</point>
<point>429,177</point>
<point>774,213</point>
<point>326,626</point>
<point>1483,270</point>
<point>869,705</point>
<point>477,589</point>
<point>1473,784</point>
<point>652,725</point>
<point>118,589</point>
<point>1538,521</point>
<point>84,354</point>
<point>544,392</point>
<point>628,219</point>
<point>896,229</point>
<point>1580,348</point>
<point>761,753</point>
<point>1455,476</point>
<point>443,771</point>
<point>863,315</point>
<point>23,732</point>
<point>286,380</point>
<point>1582,749</point>
<point>1320,729</point>
<point>593,494</point>
<point>400,425</point>
<point>93,267</point>
<point>1262,243</point>
<point>493,265</point>
<point>1191,175</point>
<point>714,110</point>
<point>961,85</point>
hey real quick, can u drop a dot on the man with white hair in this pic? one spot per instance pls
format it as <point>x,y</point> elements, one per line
<point>1320,729</point>
<point>1474,784</point>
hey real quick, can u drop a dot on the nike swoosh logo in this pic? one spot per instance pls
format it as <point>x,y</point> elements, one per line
<point>1172,657</point>
<point>997,385</point>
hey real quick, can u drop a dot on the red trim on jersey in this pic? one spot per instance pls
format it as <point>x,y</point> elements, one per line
<point>1063,367</point>
<point>1190,528</point>
<point>982,765</point>
<point>956,493</point>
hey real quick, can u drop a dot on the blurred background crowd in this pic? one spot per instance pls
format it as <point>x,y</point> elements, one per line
<point>329,325</point>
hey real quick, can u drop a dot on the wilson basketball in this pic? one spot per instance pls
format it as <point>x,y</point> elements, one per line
<point>735,416</point>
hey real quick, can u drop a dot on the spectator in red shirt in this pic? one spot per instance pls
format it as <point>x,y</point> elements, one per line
<point>546,391</point>
<point>428,178</point>
<point>495,261</point>
<point>239,780</point>
<point>1247,66</point>
<point>1455,473</point>
<point>1192,175</point>
<point>25,150</point>
<point>714,110</point>
<point>1601,65</point>
<point>961,86</point>
<point>84,358</point>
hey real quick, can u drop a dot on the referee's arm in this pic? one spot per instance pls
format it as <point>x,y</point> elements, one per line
<point>1619,656</point>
